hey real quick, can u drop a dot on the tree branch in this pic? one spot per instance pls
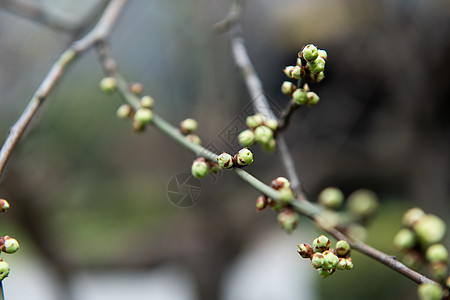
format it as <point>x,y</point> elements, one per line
<point>99,32</point>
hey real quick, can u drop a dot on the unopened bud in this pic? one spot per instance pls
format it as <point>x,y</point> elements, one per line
<point>438,269</point>
<point>330,260</point>
<point>288,219</point>
<point>270,145</point>
<point>108,84</point>
<point>254,121</point>
<point>4,269</point>
<point>280,183</point>
<point>349,263</point>
<point>437,253</point>
<point>188,126</point>
<point>312,98</point>
<point>342,248</point>
<point>305,250</point>
<point>272,124</point>
<point>323,54</point>
<point>317,260</point>
<point>288,88</point>
<point>317,65</point>
<point>411,216</point>
<point>8,244</point>
<point>4,205</point>
<point>124,111</point>
<point>342,264</point>
<point>199,168</point>
<point>321,244</point>
<point>288,71</point>
<point>147,101</point>
<point>193,138</point>
<point>225,160</point>
<point>317,77</point>
<point>261,203</point>
<point>286,195</point>
<point>299,97</point>
<point>135,88</point>
<point>246,138</point>
<point>430,229</point>
<point>404,239</point>
<point>263,134</point>
<point>325,272</point>
<point>309,52</point>
<point>297,72</point>
<point>362,203</point>
<point>331,198</point>
<point>244,157</point>
<point>143,116</point>
<point>430,291</point>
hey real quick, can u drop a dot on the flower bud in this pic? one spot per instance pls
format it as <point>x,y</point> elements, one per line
<point>317,65</point>
<point>330,260</point>
<point>288,219</point>
<point>270,145</point>
<point>280,183</point>
<point>147,101</point>
<point>244,157</point>
<point>272,124</point>
<point>437,253</point>
<point>321,244</point>
<point>124,111</point>
<point>317,260</point>
<point>438,269</point>
<point>108,84</point>
<point>288,88</point>
<point>412,258</point>
<point>193,138</point>
<point>316,77</point>
<point>299,96</point>
<point>404,239</point>
<point>225,160</point>
<point>143,116</point>
<point>288,71</point>
<point>325,272</point>
<point>138,127</point>
<point>261,203</point>
<point>312,98</point>
<point>309,52</point>
<point>331,198</point>
<point>254,121</point>
<point>286,195</point>
<point>199,168</point>
<point>4,269</point>
<point>246,138</point>
<point>349,263</point>
<point>135,88</point>
<point>342,248</point>
<point>411,216</point>
<point>305,250</point>
<point>342,264</point>
<point>362,203</point>
<point>8,244</point>
<point>4,205</point>
<point>299,62</point>
<point>430,291</point>
<point>263,134</point>
<point>188,126</point>
<point>297,73</point>
<point>430,229</point>
<point>323,54</point>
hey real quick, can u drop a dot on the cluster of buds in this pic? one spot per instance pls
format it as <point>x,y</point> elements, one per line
<point>432,291</point>
<point>241,159</point>
<point>260,130</point>
<point>187,128</point>
<point>310,67</point>
<point>325,259</point>
<point>420,239</point>
<point>202,167</point>
<point>8,244</point>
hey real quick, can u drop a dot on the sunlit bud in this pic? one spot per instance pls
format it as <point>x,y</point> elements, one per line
<point>430,229</point>
<point>138,127</point>
<point>306,87</point>
<point>330,260</point>
<point>272,124</point>
<point>288,219</point>
<point>342,264</point>
<point>244,157</point>
<point>362,203</point>
<point>323,54</point>
<point>143,116</point>
<point>288,88</point>
<point>288,71</point>
<point>4,269</point>
<point>124,111</point>
<point>108,84</point>
<point>188,126</point>
<point>437,253</point>
<point>199,168</point>
<point>147,101</point>
<point>317,77</point>
<point>305,250</point>
<point>411,216</point>
<point>286,195</point>
<point>280,183</point>
<point>317,65</point>
<point>261,203</point>
<point>297,73</point>
<point>331,198</point>
<point>4,205</point>
<point>270,145</point>
<point>8,244</point>
<point>404,239</point>
<point>299,97</point>
<point>312,98</point>
<point>263,134</point>
<point>317,260</point>
<point>321,244</point>
<point>349,262</point>
<point>309,52</point>
<point>430,291</point>
<point>246,138</point>
<point>135,88</point>
<point>225,160</point>
<point>299,62</point>
<point>325,272</point>
<point>254,121</point>
<point>193,138</point>
<point>342,248</point>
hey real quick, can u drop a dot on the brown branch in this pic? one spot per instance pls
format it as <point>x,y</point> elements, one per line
<point>98,33</point>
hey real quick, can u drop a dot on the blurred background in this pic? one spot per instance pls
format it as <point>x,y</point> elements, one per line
<point>89,197</point>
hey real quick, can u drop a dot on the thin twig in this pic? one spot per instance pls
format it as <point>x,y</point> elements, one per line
<point>99,32</point>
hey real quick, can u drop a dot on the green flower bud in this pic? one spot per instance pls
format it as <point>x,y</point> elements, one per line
<point>299,97</point>
<point>430,291</point>
<point>288,219</point>
<point>261,203</point>
<point>199,168</point>
<point>193,138</point>
<point>297,73</point>
<point>411,216</point>
<point>306,87</point>
<point>137,126</point>
<point>438,269</point>
<point>4,205</point>
<point>310,52</point>
<point>404,239</point>
<point>349,263</point>
<point>437,253</point>
<point>330,260</point>
<point>124,111</point>
<point>288,88</point>
<point>244,157</point>
<point>225,160</point>
<point>135,88</point>
<point>342,264</point>
<point>362,203</point>
<point>305,250</point>
<point>430,229</point>
<point>188,126</point>
<point>342,248</point>
<point>286,195</point>
<point>317,65</point>
<point>143,116</point>
<point>272,124</point>
<point>325,272</point>
<point>147,101</point>
<point>323,54</point>
<point>275,205</point>
<point>331,198</point>
<point>4,269</point>
<point>317,77</point>
<point>108,84</point>
<point>254,121</point>
<point>246,138</point>
<point>280,183</point>
<point>321,244</point>
<point>317,260</point>
<point>8,244</point>
<point>312,98</point>
<point>263,134</point>
<point>270,145</point>
<point>299,62</point>
<point>288,71</point>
